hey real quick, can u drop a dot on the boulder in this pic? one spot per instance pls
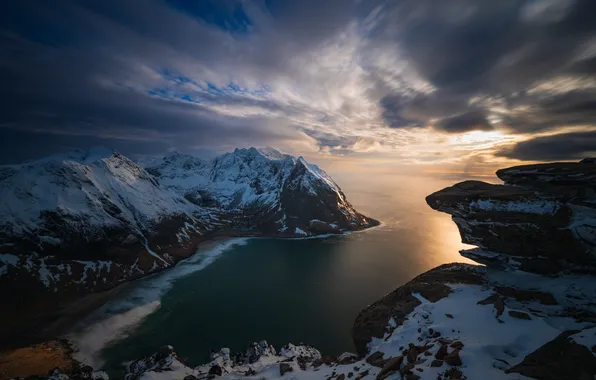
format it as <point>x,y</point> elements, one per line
<point>453,358</point>
<point>327,360</point>
<point>347,358</point>
<point>376,359</point>
<point>392,365</point>
<point>285,368</point>
<point>441,353</point>
<point>215,370</point>
<point>412,354</point>
<point>519,315</point>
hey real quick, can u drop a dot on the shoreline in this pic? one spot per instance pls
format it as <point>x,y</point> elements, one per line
<point>60,330</point>
<point>92,302</point>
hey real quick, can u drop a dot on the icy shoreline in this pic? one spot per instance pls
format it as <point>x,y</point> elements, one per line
<point>118,317</point>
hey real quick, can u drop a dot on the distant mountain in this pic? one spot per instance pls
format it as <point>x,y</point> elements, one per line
<point>262,189</point>
<point>86,221</point>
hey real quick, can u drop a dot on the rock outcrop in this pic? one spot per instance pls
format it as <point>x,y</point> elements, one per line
<point>84,222</point>
<point>543,219</point>
<point>374,320</point>
<point>472,322</point>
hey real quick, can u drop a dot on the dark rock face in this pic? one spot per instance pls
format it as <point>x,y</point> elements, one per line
<point>562,179</point>
<point>215,370</point>
<point>284,368</point>
<point>373,320</point>
<point>320,227</point>
<point>319,206</point>
<point>559,359</point>
<point>542,220</point>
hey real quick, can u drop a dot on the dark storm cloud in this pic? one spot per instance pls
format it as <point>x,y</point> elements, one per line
<point>495,50</point>
<point>562,146</point>
<point>394,112</point>
<point>469,121</point>
<point>87,68</point>
<point>329,140</point>
<point>553,111</point>
<point>574,104</point>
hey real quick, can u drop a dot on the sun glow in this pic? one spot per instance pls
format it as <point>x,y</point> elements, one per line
<point>481,136</point>
<point>476,140</point>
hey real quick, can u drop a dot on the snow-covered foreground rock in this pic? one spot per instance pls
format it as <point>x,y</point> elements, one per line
<point>471,322</point>
<point>84,222</point>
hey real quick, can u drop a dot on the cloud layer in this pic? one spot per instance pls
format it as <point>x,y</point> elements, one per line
<point>414,80</point>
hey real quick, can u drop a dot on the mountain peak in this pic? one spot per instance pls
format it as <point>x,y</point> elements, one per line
<point>84,156</point>
<point>266,152</point>
<point>272,154</point>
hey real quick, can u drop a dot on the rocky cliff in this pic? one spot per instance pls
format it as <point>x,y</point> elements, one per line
<point>543,219</point>
<point>84,222</point>
<point>529,313</point>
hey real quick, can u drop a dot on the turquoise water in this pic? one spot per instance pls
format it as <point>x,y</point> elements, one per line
<point>280,290</point>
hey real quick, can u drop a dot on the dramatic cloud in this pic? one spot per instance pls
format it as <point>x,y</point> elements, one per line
<point>470,121</point>
<point>416,80</point>
<point>562,146</point>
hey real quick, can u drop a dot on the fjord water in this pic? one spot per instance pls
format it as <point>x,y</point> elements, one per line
<point>303,290</point>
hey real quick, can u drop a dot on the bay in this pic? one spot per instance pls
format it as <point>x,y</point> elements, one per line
<point>279,290</point>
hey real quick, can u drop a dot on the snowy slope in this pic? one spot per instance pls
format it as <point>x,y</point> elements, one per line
<point>232,180</point>
<point>93,189</point>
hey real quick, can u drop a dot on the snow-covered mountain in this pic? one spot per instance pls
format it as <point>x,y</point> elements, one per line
<point>81,222</point>
<point>278,192</point>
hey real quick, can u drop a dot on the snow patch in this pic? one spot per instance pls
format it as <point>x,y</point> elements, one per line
<point>529,207</point>
<point>485,339</point>
<point>586,338</point>
<point>300,232</point>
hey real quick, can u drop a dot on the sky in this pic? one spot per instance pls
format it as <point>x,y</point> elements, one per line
<point>461,85</point>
